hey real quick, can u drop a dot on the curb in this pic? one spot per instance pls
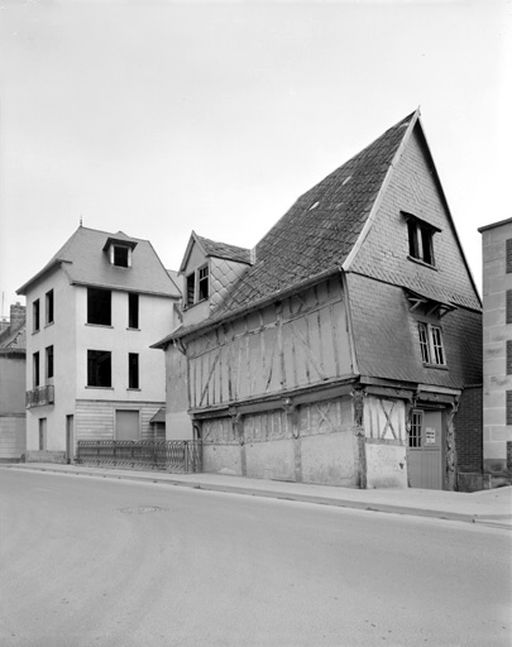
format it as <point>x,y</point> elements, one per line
<point>286,496</point>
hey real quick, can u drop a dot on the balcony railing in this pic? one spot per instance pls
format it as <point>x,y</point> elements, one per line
<point>40,396</point>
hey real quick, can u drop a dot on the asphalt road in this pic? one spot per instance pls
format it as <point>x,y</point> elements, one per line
<point>88,562</point>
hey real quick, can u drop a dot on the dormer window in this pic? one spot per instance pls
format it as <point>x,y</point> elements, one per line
<point>197,286</point>
<point>119,251</point>
<point>121,256</point>
<point>421,239</point>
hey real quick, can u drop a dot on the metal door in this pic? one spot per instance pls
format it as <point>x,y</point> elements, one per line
<point>424,455</point>
<point>127,424</point>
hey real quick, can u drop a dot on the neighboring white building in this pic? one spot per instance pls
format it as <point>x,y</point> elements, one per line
<point>92,313</point>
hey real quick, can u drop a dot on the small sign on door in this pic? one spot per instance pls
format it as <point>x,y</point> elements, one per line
<point>430,436</point>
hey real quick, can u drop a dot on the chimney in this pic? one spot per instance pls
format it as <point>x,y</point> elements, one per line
<point>17,315</point>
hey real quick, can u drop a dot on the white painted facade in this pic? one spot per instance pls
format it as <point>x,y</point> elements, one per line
<point>93,408</point>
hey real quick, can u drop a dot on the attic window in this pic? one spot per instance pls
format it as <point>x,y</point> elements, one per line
<point>121,256</point>
<point>119,251</point>
<point>421,239</point>
<point>197,286</point>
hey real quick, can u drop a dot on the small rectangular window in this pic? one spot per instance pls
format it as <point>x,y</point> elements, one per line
<point>121,256</point>
<point>508,255</point>
<point>431,344</point>
<point>99,306</point>
<point>49,362</point>
<point>421,240</point>
<point>415,430</point>
<point>190,289</point>
<point>49,307</point>
<point>133,310</point>
<point>133,371</point>
<point>35,370</point>
<point>42,434</point>
<point>35,315</point>
<point>99,368</point>
<point>202,283</point>
<point>509,407</point>
<point>437,345</point>
<point>424,345</point>
<point>508,308</point>
<point>509,357</point>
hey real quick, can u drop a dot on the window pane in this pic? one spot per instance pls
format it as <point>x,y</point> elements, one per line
<point>133,371</point>
<point>35,367</point>
<point>99,306</point>
<point>203,283</point>
<point>426,243</point>
<point>35,314</point>
<point>424,345</point>
<point>437,345</point>
<point>49,361</point>
<point>190,289</point>
<point>99,371</point>
<point>413,239</point>
<point>49,306</point>
<point>120,256</point>
<point>415,431</point>
<point>133,310</point>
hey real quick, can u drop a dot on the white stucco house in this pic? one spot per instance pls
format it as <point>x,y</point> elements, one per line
<point>92,312</point>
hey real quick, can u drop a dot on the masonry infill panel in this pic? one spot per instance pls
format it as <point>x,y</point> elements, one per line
<point>99,306</point>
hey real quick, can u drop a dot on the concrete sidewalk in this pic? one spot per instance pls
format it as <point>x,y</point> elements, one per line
<point>489,507</point>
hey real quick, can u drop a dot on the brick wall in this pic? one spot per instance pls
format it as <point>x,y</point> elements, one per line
<point>468,430</point>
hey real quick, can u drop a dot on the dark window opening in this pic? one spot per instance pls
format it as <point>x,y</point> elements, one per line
<point>133,310</point>
<point>509,357</point>
<point>49,361</point>
<point>202,280</point>
<point>99,306</point>
<point>508,306</point>
<point>421,239</point>
<point>99,368</point>
<point>190,289</point>
<point>133,371</point>
<point>121,256</point>
<point>508,255</point>
<point>35,315</point>
<point>49,307</point>
<point>35,369</point>
<point>509,407</point>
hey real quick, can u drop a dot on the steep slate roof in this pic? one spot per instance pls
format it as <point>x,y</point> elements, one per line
<point>13,338</point>
<point>223,250</point>
<point>84,261</point>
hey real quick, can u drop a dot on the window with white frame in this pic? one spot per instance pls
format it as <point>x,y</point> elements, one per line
<point>197,286</point>
<point>431,344</point>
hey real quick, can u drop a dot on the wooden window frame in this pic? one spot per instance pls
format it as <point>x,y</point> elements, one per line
<point>431,342</point>
<point>421,240</point>
<point>195,282</point>
<point>415,431</point>
<point>50,369</point>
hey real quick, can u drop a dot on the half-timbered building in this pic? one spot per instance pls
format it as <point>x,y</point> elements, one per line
<point>341,349</point>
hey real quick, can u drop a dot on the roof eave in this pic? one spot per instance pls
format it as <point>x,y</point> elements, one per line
<point>48,268</point>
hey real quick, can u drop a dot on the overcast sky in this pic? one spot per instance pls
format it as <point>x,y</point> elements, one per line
<point>158,117</point>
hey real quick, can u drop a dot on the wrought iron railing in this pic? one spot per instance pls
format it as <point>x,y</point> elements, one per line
<point>181,456</point>
<point>40,396</point>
